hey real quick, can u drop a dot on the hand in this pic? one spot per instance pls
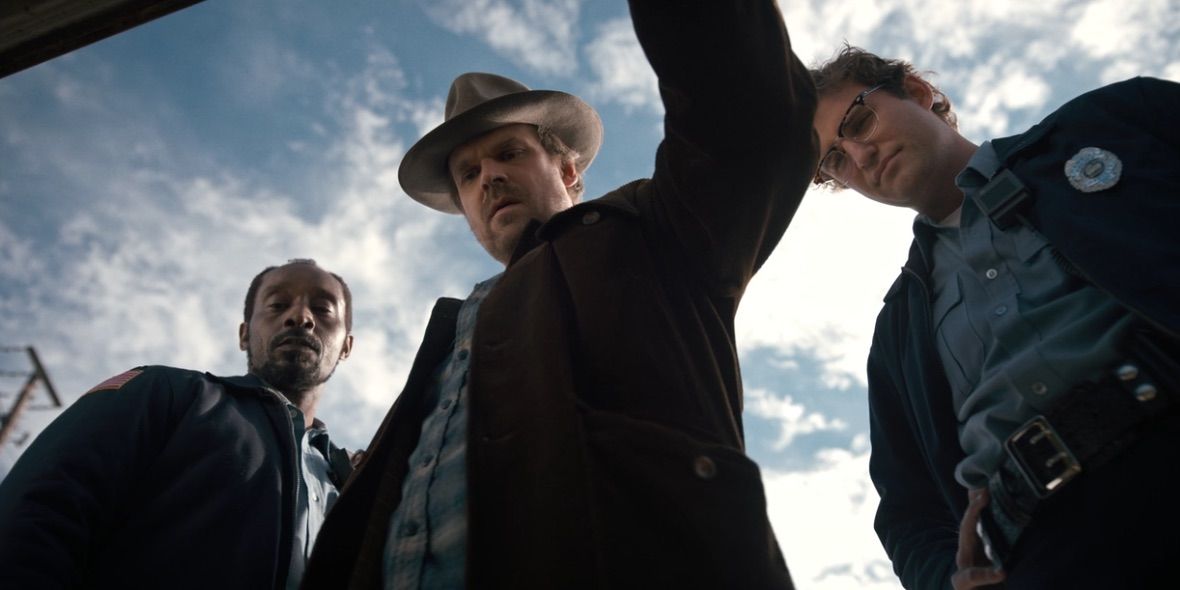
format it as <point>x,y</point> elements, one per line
<point>975,570</point>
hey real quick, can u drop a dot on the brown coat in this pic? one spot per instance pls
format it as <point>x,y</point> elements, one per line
<point>605,447</point>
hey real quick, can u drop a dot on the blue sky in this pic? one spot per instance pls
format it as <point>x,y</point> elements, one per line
<point>146,178</point>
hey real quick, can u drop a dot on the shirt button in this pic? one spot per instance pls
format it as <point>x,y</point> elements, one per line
<point>463,354</point>
<point>1040,388</point>
<point>991,273</point>
<point>427,460</point>
<point>1001,310</point>
<point>445,404</point>
<point>704,467</point>
<point>1127,372</point>
<point>315,497</point>
<point>591,217</point>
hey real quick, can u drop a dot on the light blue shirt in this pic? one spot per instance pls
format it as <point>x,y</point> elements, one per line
<point>1014,331</point>
<point>316,492</point>
<point>426,547</point>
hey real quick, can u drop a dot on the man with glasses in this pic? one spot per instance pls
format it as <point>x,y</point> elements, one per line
<point>1024,371</point>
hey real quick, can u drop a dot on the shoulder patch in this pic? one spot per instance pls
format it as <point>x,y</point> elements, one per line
<point>117,381</point>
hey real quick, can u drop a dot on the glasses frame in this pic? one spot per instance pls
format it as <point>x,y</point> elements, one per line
<point>858,101</point>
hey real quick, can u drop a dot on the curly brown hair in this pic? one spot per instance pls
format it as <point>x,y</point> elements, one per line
<point>854,64</point>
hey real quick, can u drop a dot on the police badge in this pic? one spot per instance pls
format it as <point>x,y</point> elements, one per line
<point>1093,169</point>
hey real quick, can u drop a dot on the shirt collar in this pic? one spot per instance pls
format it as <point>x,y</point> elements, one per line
<point>983,165</point>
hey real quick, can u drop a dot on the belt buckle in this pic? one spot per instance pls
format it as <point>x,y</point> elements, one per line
<point>1044,460</point>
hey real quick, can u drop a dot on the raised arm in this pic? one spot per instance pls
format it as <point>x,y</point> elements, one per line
<point>738,150</point>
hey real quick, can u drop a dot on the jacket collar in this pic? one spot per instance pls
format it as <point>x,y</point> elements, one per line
<point>248,381</point>
<point>251,383</point>
<point>338,459</point>
<point>536,232</point>
<point>615,202</point>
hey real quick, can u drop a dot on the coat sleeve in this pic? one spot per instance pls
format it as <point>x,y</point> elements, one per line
<point>738,149</point>
<point>917,528</point>
<point>67,489</point>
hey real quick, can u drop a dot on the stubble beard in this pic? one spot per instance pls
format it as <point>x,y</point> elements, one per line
<point>500,244</point>
<point>293,372</point>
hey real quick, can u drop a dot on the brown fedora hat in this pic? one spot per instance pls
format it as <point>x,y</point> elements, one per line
<point>479,103</point>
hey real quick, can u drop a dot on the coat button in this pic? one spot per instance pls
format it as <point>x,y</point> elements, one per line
<point>591,217</point>
<point>1127,372</point>
<point>704,467</point>
<point>1145,392</point>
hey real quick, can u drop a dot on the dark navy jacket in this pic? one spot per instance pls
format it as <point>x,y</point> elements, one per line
<point>177,479</point>
<point>1125,240</point>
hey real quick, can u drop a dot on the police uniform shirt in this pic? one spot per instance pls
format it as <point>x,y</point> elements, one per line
<point>1014,331</point>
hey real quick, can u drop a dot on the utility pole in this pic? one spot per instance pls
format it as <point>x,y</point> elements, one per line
<point>9,419</point>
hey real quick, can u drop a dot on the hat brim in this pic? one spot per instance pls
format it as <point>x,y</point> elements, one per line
<point>423,172</point>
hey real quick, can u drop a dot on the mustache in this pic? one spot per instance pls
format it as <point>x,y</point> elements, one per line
<point>499,195</point>
<point>296,336</point>
<point>502,191</point>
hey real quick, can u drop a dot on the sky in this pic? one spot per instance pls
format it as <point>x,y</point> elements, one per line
<point>145,179</point>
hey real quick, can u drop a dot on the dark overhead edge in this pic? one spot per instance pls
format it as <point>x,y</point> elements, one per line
<point>72,25</point>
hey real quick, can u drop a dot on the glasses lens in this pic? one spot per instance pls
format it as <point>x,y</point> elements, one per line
<point>833,165</point>
<point>860,123</point>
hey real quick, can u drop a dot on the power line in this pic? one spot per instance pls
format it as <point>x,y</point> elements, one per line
<point>35,376</point>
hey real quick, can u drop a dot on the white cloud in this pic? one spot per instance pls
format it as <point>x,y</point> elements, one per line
<point>994,91</point>
<point>822,287</point>
<point>823,520</point>
<point>1107,29</point>
<point>266,70</point>
<point>621,71</point>
<point>538,35</point>
<point>17,259</point>
<point>1171,71</point>
<point>154,267</point>
<point>792,418</point>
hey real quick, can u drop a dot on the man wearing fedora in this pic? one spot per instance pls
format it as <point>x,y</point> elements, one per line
<point>575,422</point>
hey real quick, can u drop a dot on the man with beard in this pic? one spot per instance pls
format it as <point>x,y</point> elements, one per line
<point>576,421</point>
<point>165,477</point>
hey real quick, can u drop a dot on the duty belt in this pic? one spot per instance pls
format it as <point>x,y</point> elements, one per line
<point>1091,425</point>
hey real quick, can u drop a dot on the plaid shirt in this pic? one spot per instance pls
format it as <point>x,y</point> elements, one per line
<point>427,542</point>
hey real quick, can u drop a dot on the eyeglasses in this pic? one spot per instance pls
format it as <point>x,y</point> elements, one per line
<point>858,125</point>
